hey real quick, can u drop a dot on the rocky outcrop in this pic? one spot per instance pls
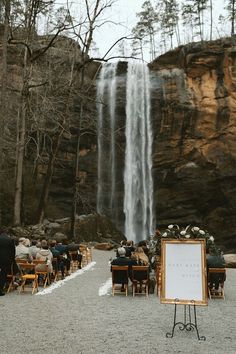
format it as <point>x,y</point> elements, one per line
<point>230,260</point>
<point>89,228</point>
<point>194,120</point>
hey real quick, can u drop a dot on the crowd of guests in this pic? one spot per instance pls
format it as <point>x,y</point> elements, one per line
<point>129,255</point>
<point>56,255</point>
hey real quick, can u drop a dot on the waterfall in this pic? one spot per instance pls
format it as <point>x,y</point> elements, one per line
<point>106,98</point>
<point>138,183</point>
<point>132,214</point>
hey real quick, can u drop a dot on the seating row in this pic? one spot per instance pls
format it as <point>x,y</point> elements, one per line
<point>140,275</point>
<point>29,272</point>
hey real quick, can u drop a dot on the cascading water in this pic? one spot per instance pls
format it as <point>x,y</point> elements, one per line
<point>106,98</point>
<point>137,184</point>
<point>138,194</point>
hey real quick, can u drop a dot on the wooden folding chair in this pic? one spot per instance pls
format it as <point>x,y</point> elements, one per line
<point>83,251</point>
<point>55,269</point>
<point>140,276</point>
<point>120,276</point>
<point>10,280</point>
<point>42,273</point>
<point>74,260</point>
<point>158,278</point>
<point>28,274</point>
<point>216,279</point>
<point>21,260</point>
<point>89,254</point>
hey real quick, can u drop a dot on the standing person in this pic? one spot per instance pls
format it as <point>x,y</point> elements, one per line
<point>7,257</point>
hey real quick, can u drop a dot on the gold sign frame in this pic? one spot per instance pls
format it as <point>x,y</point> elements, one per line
<point>203,271</point>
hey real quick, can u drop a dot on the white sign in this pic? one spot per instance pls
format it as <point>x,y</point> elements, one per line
<point>183,272</point>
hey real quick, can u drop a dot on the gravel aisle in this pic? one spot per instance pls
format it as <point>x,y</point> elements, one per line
<point>74,319</point>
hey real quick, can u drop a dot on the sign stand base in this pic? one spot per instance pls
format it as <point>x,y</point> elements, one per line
<point>188,324</point>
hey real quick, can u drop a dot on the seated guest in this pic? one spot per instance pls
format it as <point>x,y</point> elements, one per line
<point>215,260</point>
<point>144,246</point>
<point>140,257</point>
<point>44,254</point>
<point>129,247</point>
<point>33,249</point>
<point>27,242</point>
<point>123,244</point>
<point>122,260</point>
<point>75,247</point>
<point>64,264</point>
<point>22,252</point>
<point>56,258</point>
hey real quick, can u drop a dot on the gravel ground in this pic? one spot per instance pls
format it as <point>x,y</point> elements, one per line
<point>74,319</point>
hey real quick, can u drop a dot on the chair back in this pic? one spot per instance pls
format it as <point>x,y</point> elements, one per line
<point>26,268</point>
<point>217,274</point>
<point>28,274</point>
<point>140,273</point>
<point>216,279</point>
<point>21,260</point>
<point>120,274</point>
<point>73,255</point>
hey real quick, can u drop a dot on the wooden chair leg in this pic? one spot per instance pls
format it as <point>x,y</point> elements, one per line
<point>35,285</point>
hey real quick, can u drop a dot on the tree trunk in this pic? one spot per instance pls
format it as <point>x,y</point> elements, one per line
<point>233,17</point>
<point>76,185</point>
<point>47,181</point>
<point>3,98</point>
<point>211,20</point>
<point>20,151</point>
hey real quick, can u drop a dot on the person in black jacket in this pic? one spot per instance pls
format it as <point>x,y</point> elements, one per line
<point>7,257</point>
<point>122,260</point>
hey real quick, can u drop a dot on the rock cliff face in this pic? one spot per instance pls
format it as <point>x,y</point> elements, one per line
<point>193,100</point>
<point>194,120</point>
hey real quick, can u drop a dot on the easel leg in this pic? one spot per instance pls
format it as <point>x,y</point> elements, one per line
<point>187,325</point>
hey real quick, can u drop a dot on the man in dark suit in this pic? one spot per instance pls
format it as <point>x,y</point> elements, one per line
<point>7,257</point>
<point>122,260</point>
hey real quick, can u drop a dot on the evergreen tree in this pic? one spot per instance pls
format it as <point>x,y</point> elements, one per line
<point>231,9</point>
<point>192,13</point>
<point>146,27</point>
<point>168,11</point>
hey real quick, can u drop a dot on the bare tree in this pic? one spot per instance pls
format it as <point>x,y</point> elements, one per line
<point>3,97</point>
<point>30,16</point>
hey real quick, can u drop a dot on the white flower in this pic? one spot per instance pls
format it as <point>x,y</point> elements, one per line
<point>187,236</point>
<point>165,234</point>
<point>202,232</point>
<point>183,233</point>
<point>195,229</point>
<point>211,238</point>
<point>170,227</point>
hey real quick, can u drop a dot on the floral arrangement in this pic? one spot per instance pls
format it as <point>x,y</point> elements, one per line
<point>177,232</point>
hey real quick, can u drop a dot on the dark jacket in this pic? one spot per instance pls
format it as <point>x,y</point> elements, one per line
<point>7,249</point>
<point>215,261</point>
<point>123,261</point>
